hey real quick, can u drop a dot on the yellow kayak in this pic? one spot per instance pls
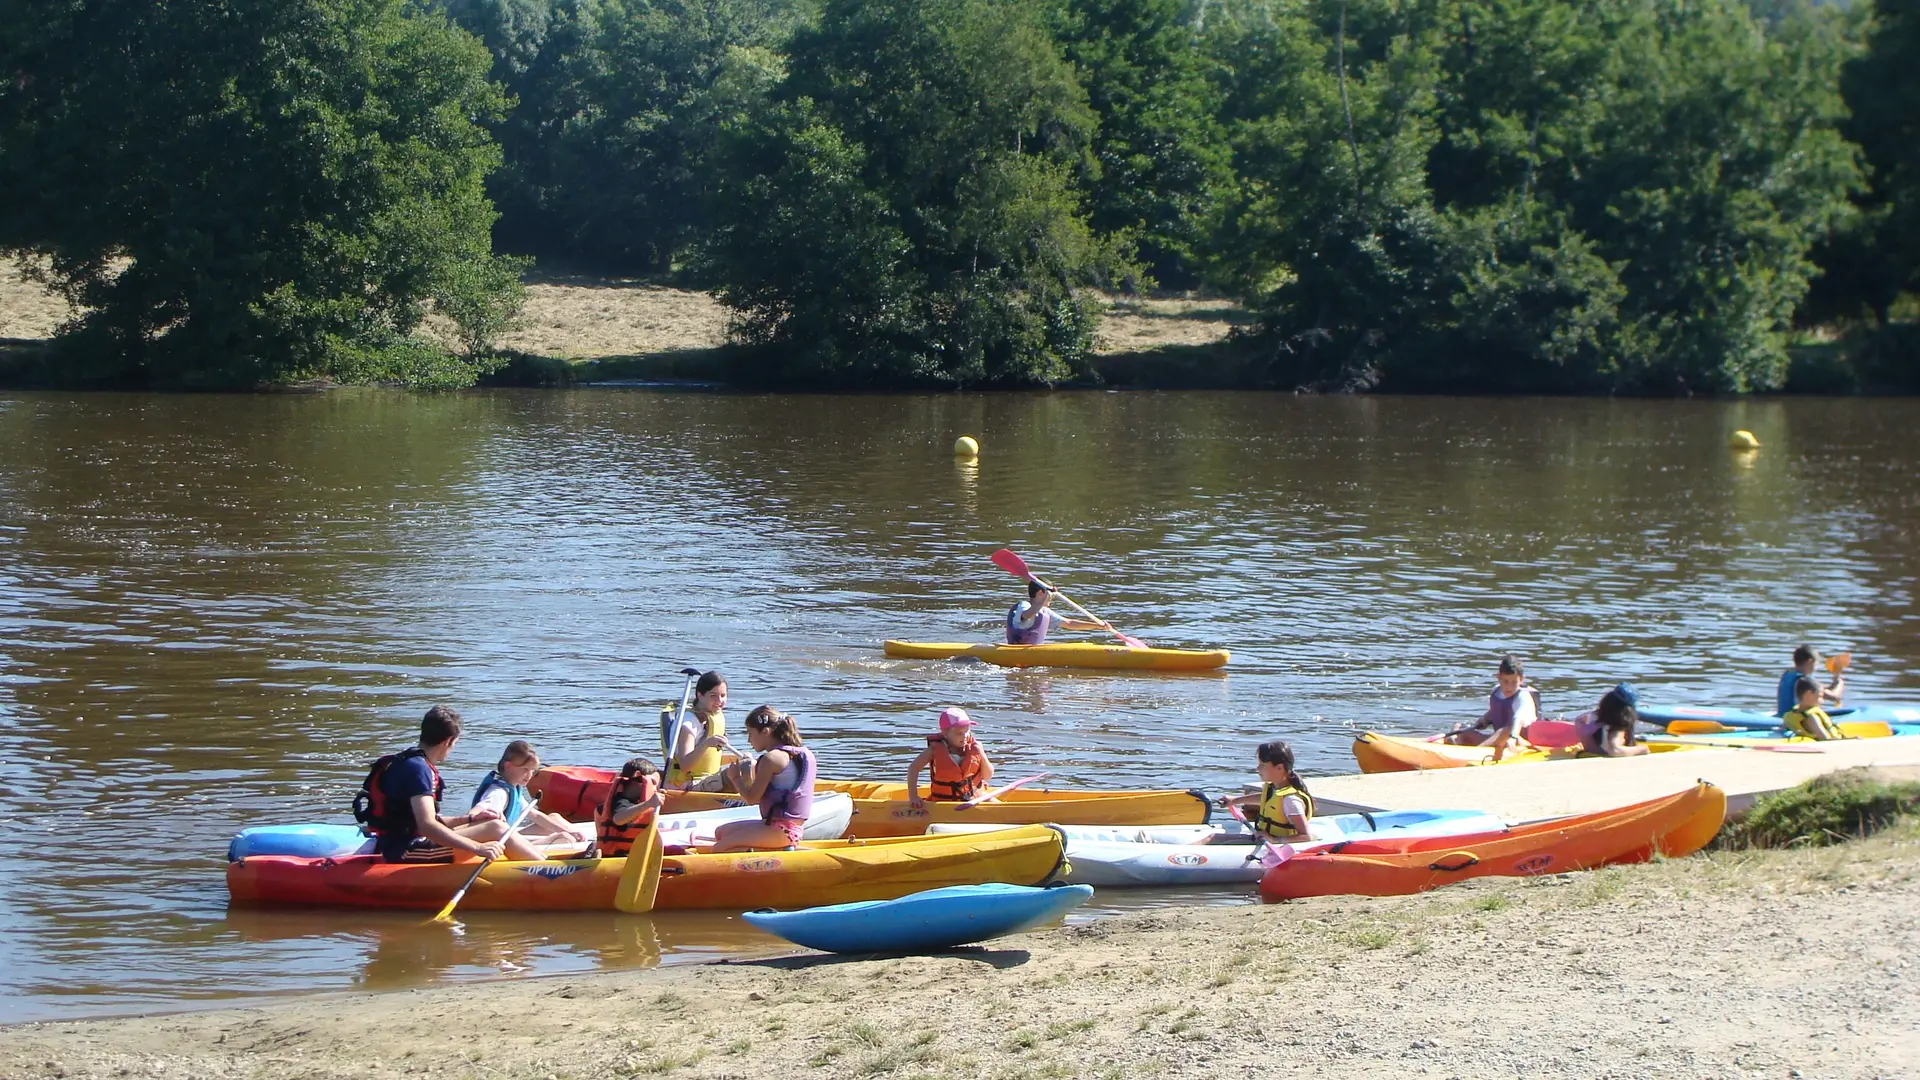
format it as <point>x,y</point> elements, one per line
<point>1395,753</point>
<point>881,808</point>
<point>818,872</point>
<point>1079,654</point>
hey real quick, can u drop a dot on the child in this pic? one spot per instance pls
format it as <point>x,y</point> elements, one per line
<point>1608,729</point>
<point>629,808</point>
<point>1805,659</point>
<point>1807,717</point>
<point>504,792</point>
<point>694,762</point>
<point>1285,806</point>
<point>779,781</point>
<point>960,768</point>
<point>1510,708</point>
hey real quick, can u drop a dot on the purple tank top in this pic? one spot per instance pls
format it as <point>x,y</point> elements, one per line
<point>790,794</point>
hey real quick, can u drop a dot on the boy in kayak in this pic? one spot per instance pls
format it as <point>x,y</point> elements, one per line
<point>631,805</point>
<point>960,767</point>
<point>1807,718</point>
<point>401,799</point>
<point>504,792</point>
<point>1787,695</point>
<point>1029,620</point>
<point>1510,708</point>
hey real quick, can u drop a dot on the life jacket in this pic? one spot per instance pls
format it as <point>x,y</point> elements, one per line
<point>955,781</point>
<point>1813,723</point>
<point>516,797</point>
<point>1272,818</point>
<point>794,800</point>
<point>1026,635</point>
<point>705,763</point>
<point>615,841</point>
<point>370,806</point>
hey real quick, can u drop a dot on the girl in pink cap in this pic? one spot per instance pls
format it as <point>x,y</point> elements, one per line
<point>960,768</point>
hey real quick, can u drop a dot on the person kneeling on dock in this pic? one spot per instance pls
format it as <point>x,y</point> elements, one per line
<point>1510,708</point>
<point>399,804</point>
<point>780,780</point>
<point>630,806</point>
<point>1807,718</point>
<point>1285,806</point>
<point>959,766</point>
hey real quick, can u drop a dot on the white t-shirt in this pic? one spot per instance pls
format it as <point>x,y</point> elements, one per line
<point>496,800</point>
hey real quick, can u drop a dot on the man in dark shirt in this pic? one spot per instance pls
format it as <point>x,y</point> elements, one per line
<point>410,828</point>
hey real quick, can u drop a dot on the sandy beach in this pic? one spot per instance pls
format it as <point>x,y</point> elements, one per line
<point>1748,964</point>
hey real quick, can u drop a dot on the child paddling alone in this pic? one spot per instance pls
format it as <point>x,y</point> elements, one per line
<point>1285,807</point>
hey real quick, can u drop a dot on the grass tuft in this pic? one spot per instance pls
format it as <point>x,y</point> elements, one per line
<point>1825,810</point>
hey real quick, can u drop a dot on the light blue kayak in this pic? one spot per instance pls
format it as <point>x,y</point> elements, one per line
<point>1904,719</point>
<point>923,921</point>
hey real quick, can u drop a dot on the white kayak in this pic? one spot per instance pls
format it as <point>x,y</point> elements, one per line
<point>1109,856</point>
<point>832,811</point>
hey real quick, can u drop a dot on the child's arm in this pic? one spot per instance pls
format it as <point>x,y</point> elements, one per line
<point>913,776</point>
<point>634,810</point>
<point>986,767</point>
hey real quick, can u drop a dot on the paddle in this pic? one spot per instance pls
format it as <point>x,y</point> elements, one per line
<point>1013,564</point>
<point>1259,838</point>
<point>999,791</point>
<point>640,875</point>
<point>1852,729</point>
<point>446,913</point>
<point>671,735</point>
<point>1838,662</point>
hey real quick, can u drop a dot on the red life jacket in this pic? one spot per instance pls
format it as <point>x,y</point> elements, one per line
<point>615,841</point>
<point>955,781</point>
<point>370,806</point>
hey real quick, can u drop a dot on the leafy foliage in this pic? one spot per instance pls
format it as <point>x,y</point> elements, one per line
<point>904,210</point>
<point>238,194</point>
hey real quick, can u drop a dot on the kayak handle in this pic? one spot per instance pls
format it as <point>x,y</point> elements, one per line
<point>1472,860</point>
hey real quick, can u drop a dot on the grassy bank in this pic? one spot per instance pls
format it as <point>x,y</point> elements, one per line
<point>1733,963</point>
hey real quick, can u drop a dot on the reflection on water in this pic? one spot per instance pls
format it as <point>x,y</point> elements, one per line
<point>215,610</point>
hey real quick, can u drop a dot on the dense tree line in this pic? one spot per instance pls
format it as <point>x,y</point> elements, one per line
<point>1640,196</point>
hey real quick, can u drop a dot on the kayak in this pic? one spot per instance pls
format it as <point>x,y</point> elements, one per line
<point>880,808</point>
<point>831,812</point>
<point>1077,654</point>
<point>818,872</point>
<point>1198,855</point>
<point>1379,753</point>
<point>935,919</point>
<point>1674,825</point>
<point>1896,716</point>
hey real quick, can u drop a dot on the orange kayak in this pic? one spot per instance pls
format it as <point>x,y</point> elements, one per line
<point>880,808</point>
<point>823,872</point>
<point>1674,826</point>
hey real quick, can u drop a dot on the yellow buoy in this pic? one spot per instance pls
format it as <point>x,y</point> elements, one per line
<point>1743,440</point>
<point>965,446</point>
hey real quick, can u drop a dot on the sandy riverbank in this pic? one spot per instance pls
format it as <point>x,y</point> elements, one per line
<point>1774,964</point>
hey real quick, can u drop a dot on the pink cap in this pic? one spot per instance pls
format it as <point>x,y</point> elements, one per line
<point>953,718</point>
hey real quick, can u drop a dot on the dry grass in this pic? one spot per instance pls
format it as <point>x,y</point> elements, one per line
<point>582,317</point>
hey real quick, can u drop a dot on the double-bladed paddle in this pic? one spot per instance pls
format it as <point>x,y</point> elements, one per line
<point>446,913</point>
<point>1013,564</point>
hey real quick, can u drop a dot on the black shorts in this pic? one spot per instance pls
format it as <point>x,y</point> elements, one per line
<point>418,850</point>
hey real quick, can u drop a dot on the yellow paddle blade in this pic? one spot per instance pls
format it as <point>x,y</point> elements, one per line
<point>1867,729</point>
<point>1838,662</point>
<point>640,877</point>
<point>1698,727</point>
<point>446,913</point>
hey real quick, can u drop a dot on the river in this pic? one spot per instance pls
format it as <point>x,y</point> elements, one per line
<point>215,610</point>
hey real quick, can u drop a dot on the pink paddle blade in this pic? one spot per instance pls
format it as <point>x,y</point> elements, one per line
<point>1013,564</point>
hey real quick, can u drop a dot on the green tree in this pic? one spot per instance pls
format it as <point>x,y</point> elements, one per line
<point>905,211</point>
<point>1162,153</point>
<point>242,193</point>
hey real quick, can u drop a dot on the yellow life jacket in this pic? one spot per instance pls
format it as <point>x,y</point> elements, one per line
<point>706,762</point>
<point>1814,723</point>
<point>1272,819</point>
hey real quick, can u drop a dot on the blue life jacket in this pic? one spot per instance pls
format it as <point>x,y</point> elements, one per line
<point>1786,699</point>
<point>516,797</point>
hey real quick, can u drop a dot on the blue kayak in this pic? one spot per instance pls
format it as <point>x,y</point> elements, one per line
<point>935,919</point>
<point>1899,717</point>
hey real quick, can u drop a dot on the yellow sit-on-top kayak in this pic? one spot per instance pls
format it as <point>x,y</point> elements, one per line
<point>1395,753</point>
<point>1078,654</point>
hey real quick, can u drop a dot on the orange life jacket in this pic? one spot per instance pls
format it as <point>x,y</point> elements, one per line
<point>955,781</point>
<point>615,841</point>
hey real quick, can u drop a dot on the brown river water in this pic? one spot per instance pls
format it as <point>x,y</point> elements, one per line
<point>214,611</point>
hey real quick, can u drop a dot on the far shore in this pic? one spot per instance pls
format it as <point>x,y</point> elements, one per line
<point>1751,964</point>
